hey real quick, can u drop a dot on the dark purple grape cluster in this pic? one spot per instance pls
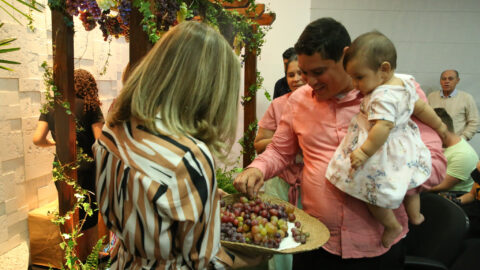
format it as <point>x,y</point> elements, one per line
<point>103,25</point>
<point>124,10</point>
<point>71,7</point>
<point>91,7</point>
<point>166,13</point>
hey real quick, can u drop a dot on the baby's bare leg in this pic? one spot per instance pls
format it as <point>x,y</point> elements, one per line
<point>392,227</point>
<point>412,205</point>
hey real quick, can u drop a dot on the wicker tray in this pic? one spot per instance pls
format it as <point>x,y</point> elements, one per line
<point>319,233</point>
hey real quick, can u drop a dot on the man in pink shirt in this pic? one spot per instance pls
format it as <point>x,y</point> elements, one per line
<point>315,119</point>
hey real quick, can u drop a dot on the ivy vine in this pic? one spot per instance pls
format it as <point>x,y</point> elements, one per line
<point>82,196</point>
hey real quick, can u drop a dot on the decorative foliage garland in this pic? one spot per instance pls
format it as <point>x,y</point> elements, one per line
<point>51,91</point>
<point>112,16</point>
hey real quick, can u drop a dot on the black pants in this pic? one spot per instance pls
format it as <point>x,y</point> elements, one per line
<point>321,259</point>
<point>473,212</point>
<point>86,179</point>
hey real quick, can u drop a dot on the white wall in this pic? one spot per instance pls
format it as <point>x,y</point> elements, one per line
<point>291,19</point>
<point>430,36</point>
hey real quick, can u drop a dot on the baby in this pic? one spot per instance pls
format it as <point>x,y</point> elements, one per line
<point>382,156</point>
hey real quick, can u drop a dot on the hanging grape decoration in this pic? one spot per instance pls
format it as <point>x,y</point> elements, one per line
<point>166,13</point>
<point>113,16</point>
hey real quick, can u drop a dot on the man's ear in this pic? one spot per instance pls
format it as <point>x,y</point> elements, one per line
<point>345,50</point>
<point>385,66</point>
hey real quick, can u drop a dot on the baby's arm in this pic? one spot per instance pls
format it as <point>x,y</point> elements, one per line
<point>377,136</point>
<point>428,116</point>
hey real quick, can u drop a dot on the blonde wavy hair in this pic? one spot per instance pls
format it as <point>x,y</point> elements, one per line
<point>191,78</point>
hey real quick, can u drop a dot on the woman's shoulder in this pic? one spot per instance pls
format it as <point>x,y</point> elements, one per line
<point>178,146</point>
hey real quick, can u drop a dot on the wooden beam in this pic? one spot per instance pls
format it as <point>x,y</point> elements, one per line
<point>65,131</point>
<point>249,108</point>
<point>266,19</point>
<point>140,45</point>
<point>234,4</point>
<point>259,10</point>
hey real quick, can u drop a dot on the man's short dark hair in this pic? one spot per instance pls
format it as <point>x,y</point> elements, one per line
<point>325,36</point>
<point>446,119</point>
<point>288,53</point>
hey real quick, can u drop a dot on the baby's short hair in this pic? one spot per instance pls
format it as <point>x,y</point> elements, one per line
<point>375,47</point>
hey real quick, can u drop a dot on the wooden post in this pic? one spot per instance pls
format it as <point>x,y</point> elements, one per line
<point>65,132</point>
<point>140,45</point>
<point>249,108</point>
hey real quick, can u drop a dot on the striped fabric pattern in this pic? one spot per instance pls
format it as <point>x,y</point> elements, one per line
<point>158,194</point>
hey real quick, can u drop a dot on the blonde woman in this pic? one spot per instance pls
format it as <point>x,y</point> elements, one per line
<point>156,177</point>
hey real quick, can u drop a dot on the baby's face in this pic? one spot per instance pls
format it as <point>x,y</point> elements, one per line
<point>363,77</point>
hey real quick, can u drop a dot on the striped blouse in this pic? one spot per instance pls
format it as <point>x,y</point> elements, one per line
<point>158,194</point>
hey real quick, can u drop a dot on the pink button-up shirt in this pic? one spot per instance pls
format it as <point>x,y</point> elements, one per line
<point>292,174</point>
<point>317,127</point>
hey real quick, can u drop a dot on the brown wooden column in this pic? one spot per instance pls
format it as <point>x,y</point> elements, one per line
<point>65,132</point>
<point>249,108</point>
<point>140,45</point>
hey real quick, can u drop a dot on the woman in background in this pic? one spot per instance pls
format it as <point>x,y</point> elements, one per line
<point>89,118</point>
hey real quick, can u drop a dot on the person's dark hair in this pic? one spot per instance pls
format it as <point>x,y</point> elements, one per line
<point>325,36</point>
<point>292,58</point>
<point>446,119</point>
<point>454,70</point>
<point>86,88</point>
<point>288,53</point>
<point>375,47</point>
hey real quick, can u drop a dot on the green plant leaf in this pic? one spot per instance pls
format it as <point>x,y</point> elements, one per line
<point>5,68</point>
<point>9,50</point>
<point>32,6</point>
<point>9,62</point>
<point>7,41</point>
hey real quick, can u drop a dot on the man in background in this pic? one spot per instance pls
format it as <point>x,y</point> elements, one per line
<point>281,86</point>
<point>458,104</point>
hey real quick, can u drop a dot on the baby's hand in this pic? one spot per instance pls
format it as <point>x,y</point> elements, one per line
<point>357,158</point>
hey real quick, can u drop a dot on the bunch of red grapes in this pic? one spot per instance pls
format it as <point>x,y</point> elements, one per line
<point>258,222</point>
<point>88,21</point>
<point>113,25</point>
